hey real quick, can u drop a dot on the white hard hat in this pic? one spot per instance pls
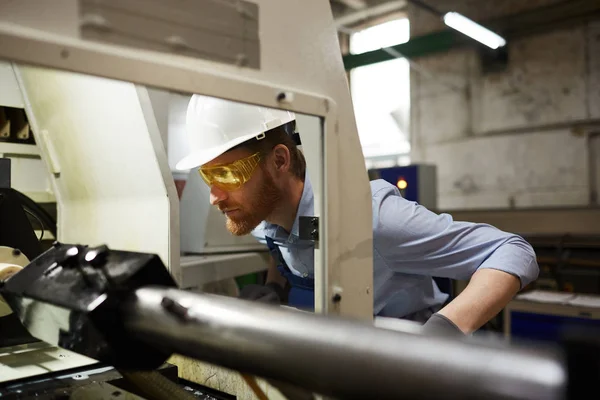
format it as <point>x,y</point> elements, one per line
<point>215,125</point>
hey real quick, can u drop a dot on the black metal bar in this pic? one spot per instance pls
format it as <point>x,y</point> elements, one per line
<point>4,173</point>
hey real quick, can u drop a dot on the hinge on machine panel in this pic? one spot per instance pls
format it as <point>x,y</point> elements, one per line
<point>309,228</point>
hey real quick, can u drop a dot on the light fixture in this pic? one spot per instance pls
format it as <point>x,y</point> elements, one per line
<point>472,29</point>
<point>402,184</point>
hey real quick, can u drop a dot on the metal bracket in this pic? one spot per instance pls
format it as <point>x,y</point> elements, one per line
<point>309,228</point>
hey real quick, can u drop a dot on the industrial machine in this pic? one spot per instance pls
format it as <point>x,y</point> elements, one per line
<point>95,94</point>
<point>108,300</point>
<point>123,308</point>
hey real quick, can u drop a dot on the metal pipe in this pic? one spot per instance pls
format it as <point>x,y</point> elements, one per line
<point>335,357</point>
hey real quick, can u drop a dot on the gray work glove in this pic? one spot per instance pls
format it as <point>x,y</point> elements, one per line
<point>271,293</point>
<point>439,325</point>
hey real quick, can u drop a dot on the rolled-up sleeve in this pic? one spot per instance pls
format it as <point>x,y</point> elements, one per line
<point>412,239</point>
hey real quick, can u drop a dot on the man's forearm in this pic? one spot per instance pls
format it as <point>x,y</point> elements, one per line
<point>487,293</point>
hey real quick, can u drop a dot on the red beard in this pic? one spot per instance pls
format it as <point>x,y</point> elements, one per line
<point>256,209</point>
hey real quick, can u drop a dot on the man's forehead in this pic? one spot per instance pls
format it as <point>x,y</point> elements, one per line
<point>228,157</point>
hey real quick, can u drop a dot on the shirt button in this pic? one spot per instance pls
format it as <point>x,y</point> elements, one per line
<point>304,275</point>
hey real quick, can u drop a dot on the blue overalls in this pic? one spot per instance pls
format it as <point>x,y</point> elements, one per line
<point>302,291</point>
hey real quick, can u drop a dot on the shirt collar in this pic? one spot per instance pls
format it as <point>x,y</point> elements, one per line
<point>305,208</point>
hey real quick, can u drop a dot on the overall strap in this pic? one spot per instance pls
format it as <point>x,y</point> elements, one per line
<point>276,253</point>
<point>297,281</point>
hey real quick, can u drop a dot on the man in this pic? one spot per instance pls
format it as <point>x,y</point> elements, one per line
<point>257,177</point>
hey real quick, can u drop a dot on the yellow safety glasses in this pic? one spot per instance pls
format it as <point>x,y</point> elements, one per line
<point>230,176</point>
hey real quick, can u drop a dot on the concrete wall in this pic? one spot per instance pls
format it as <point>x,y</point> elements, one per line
<point>510,138</point>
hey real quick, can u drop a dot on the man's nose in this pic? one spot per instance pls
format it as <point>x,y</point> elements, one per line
<point>217,195</point>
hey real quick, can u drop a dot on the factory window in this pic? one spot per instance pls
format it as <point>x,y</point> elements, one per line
<point>381,96</point>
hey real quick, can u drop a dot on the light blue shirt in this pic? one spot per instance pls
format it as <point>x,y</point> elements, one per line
<point>412,244</point>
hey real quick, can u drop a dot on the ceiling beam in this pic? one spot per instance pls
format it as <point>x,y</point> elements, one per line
<point>370,12</point>
<point>543,19</point>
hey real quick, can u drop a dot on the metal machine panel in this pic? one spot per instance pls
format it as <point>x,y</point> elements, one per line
<point>29,175</point>
<point>202,269</point>
<point>113,172</point>
<point>224,31</point>
<point>10,95</point>
<point>27,360</point>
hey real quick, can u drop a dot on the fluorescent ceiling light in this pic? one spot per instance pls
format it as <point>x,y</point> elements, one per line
<point>474,30</point>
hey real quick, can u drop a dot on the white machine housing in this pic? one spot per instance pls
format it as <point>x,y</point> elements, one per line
<point>89,127</point>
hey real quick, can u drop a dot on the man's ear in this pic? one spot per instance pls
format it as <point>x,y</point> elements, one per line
<point>282,158</point>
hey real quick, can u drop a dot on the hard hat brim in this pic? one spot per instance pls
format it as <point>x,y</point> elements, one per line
<point>199,158</point>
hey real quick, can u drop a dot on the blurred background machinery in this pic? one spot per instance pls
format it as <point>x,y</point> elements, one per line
<point>416,182</point>
<point>567,293</point>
